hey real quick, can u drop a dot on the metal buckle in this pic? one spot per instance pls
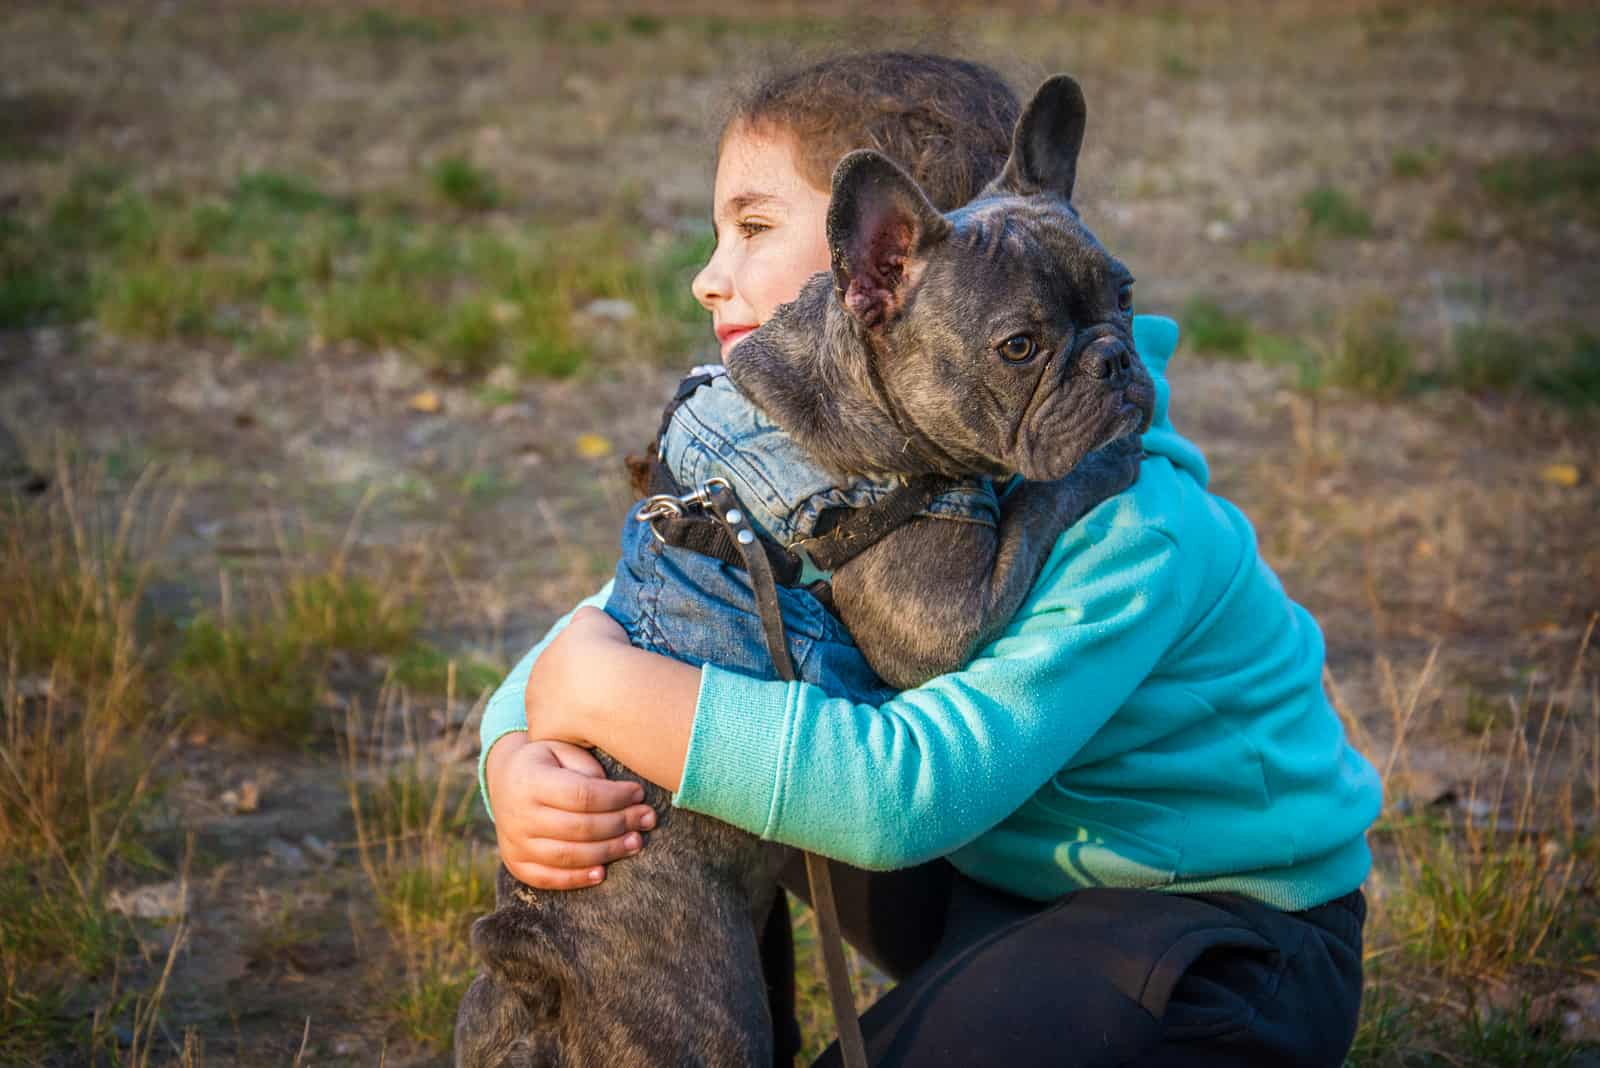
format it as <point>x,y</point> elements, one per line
<point>667,506</point>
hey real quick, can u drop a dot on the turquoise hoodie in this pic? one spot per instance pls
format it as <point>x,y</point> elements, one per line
<point>1152,717</point>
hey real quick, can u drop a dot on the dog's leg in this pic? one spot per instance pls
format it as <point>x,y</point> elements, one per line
<point>914,623</point>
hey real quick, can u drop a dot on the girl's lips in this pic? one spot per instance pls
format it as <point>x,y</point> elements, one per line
<point>730,335</point>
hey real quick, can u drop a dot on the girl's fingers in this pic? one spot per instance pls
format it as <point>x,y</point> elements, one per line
<point>578,827</point>
<point>552,853</point>
<point>576,758</point>
<point>542,878</point>
<point>575,792</point>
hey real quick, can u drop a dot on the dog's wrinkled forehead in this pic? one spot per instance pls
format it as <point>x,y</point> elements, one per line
<point>1014,237</point>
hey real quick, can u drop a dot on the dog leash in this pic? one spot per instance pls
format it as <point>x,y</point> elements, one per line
<point>716,497</point>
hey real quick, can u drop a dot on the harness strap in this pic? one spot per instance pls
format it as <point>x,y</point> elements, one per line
<point>712,539</point>
<point>844,533</point>
<point>739,532</point>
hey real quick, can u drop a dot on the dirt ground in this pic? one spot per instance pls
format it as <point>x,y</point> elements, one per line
<point>1441,523</point>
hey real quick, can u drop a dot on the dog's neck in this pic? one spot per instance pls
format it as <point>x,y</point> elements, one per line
<point>811,369</point>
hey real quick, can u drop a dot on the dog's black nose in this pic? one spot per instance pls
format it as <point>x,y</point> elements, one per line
<point>1107,359</point>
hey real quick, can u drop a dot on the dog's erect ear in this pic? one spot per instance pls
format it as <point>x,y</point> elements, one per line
<point>880,227</point>
<point>1044,148</point>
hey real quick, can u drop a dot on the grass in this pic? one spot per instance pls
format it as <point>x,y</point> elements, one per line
<point>427,669</point>
<point>813,1007</point>
<point>1539,181</point>
<point>1365,351</point>
<point>461,184</point>
<point>257,664</point>
<point>81,740</point>
<point>1369,354</point>
<point>1492,356</point>
<point>1332,212</point>
<point>430,879</point>
<point>1416,162</point>
<point>277,265</point>
<point>1492,893</point>
<point>1447,226</point>
<point>1214,330</point>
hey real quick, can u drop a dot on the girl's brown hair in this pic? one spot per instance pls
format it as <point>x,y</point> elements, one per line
<point>946,121</point>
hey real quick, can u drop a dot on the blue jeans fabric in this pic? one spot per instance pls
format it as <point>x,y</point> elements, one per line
<point>698,609</point>
<point>718,433</point>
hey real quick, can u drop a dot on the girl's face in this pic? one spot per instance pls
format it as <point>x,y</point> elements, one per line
<point>771,227</point>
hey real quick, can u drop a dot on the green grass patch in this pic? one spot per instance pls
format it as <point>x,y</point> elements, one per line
<point>1369,353</point>
<point>35,286</point>
<point>154,301</point>
<point>1416,162</point>
<point>428,874</point>
<point>252,678</point>
<point>1495,357</point>
<point>1573,378</point>
<point>391,27</point>
<point>1177,67</point>
<point>335,610</point>
<point>639,25</point>
<point>261,671</point>
<point>426,669</point>
<point>277,263</point>
<point>1533,181</point>
<point>1332,212</point>
<point>469,339</point>
<point>1214,330</point>
<point>1491,357</point>
<point>462,184</point>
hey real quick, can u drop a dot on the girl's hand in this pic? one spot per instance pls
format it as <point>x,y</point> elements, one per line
<point>559,820</point>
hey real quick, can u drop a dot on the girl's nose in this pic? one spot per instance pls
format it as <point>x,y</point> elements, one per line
<point>713,284</point>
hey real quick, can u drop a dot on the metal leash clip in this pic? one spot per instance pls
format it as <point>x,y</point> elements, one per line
<point>667,506</point>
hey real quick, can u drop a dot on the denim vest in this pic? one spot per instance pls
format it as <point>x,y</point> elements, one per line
<point>718,433</point>
<point>696,608</point>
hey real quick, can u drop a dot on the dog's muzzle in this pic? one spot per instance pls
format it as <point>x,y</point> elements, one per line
<point>1108,359</point>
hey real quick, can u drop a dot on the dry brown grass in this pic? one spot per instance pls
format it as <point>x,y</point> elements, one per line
<point>428,873</point>
<point>81,738</point>
<point>1484,901</point>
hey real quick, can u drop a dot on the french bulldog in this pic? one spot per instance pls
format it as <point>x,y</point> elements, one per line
<point>990,342</point>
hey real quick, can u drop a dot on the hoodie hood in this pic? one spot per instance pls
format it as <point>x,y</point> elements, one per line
<point>1155,338</point>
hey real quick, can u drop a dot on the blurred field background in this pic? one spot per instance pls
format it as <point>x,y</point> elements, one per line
<point>323,330</point>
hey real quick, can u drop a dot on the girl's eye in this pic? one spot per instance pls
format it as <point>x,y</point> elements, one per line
<point>751,229</point>
<point>1017,348</point>
<point>1125,297</point>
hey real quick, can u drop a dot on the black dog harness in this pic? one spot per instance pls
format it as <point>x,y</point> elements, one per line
<point>710,521</point>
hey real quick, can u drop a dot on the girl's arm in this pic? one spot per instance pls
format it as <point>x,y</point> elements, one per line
<point>914,778</point>
<point>504,713</point>
<point>561,820</point>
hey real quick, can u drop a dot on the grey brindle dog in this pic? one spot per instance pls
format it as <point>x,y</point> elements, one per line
<point>992,341</point>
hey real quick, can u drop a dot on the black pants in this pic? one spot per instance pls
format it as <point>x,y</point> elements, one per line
<point>1101,977</point>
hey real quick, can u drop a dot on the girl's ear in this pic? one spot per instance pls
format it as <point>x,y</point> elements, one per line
<point>880,228</point>
<point>1044,148</point>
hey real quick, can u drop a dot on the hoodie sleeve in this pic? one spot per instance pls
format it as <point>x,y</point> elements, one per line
<point>505,713</point>
<point>934,767</point>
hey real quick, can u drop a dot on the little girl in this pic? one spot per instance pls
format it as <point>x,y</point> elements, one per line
<point>1129,832</point>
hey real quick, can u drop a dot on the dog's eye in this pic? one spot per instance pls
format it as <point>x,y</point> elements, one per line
<point>1017,348</point>
<point>1125,297</point>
